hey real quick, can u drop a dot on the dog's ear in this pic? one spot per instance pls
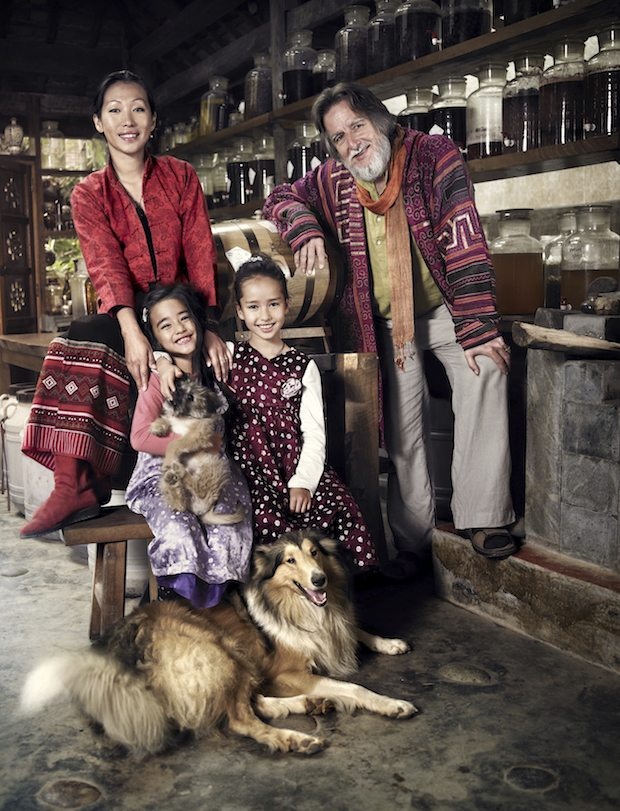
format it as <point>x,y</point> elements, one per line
<point>265,561</point>
<point>327,545</point>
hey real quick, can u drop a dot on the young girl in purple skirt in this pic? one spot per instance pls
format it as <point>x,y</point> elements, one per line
<point>277,425</point>
<point>189,559</point>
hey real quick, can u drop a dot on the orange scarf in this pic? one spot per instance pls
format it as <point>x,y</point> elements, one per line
<point>400,269</point>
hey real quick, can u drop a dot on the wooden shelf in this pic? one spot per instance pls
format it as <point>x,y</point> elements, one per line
<point>65,172</point>
<point>68,233</point>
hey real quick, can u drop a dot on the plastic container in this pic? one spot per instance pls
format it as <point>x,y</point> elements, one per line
<point>351,44</point>
<point>52,146</point>
<point>299,152</point>
<point>215,106</point>
<point>518,262</point>
<point>449,111</point>
<point>561,95</point>
<point>299,60</point>
<point>602,75</point>
<point>324,70</point>
<point>258,87</point>
<point>484,113</point>
<point>16,410</point>
<point>416,114</point>
<point>516,10</point>
<point>464,19</point>
<point>588,254</point>
<point>520,108</point>
<point>238,169</point>
<point>552,259</point>
<point>418,29</point>
<point>382,37</point>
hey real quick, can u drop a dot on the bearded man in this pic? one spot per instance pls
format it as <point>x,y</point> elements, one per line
<point>419,278</point>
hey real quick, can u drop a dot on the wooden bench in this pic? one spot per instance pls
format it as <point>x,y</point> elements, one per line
<point>110,531</point>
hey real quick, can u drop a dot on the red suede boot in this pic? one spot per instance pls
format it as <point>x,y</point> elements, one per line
<point>72,499</point>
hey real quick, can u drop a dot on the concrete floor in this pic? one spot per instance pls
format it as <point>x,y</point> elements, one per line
<point>505,722</point>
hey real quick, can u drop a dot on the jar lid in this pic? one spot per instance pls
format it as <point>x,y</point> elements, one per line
<point>514,213</point>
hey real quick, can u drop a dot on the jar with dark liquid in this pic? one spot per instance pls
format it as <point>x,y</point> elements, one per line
<point>517,259</point>
<point>484,113</point>
<point>215,106</point>
<point>237,169</point>
<point>516,10</point>
<point>262,169</point>
<point>258,87</point>
<point>464,19</point>
<point>299,60</point>
<point>561,96</point>
<point>602,74</point>
<point>382,37</point>
<point>552,259</point>
<point>418,29</point>
<point>351,44</point>
<point>416,114</point>
<point>449,111</point>
<point>317,151</point>
<point>324,70</point>
<point>521,123</point>
<point>299,153</point>
<point>590,253</point>
<point>220,177</point>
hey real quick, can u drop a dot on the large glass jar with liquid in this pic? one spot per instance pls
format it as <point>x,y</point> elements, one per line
<point>484,113</point>
<point>520,111</point>
<point>516,10</point>
<point>215,106</point>
<point>416,114</point>
<point>418,29</point>
<point>518,261</point>
<point>52,146</point>
<point>299,60</point>
<point>324,70</point>
<point>602,77</point>
<point>220,177</point>
<point>552,259</point>
<point>382,37</point>
<point>449,111</point>
<point>561,95</point>
<point>258,87</point>
<point>464,19</point>
<point>351,45</point>
<point>263,168</point>
<point>300,152</point>
<point>238,169</point>
<point>588,254</point>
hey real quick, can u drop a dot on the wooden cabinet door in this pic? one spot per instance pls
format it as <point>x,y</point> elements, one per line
<point>18,312</point>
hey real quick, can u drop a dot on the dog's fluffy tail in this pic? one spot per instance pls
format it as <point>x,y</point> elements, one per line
<point>211,517</point>
<point>107,691</point>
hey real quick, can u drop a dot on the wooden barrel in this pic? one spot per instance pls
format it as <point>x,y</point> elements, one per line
<point>310,297</point>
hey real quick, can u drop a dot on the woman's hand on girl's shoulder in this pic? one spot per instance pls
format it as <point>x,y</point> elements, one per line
<point>218,355</point>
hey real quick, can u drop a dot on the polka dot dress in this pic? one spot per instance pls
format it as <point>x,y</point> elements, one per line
<point>265,441</point>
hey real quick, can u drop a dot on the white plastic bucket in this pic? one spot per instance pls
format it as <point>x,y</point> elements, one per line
<point>14,412</point>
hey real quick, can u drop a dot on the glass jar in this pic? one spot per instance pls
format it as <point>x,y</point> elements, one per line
<point>220,177</point>
<point>416,114</point>
<point>203,164</point>
<point>53,295</point>
<point>52,146</point>
<point>449,111</point>
<point>552,259</point>
<point>262,168</point>
<point>13,137</point>
<point>299,61</point>
<point>602,75</point>
<point>351,44</point>
<point>215,106</point>
<point>418,29</point>
<point>237,169</point>
<point>521,125</point>
<point>484,113</point>
<point>516,10</point>
<point>317,150</point>
<point>464,19</point>
<point>299,152</point>
<point>591,252</point>
<point>324,70</point>
<point>517,259</point>
<point>561,95</point>
<point>382,38</point>
<point>258,87</point>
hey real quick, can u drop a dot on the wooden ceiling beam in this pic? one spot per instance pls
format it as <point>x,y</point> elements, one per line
<point>193,19</point>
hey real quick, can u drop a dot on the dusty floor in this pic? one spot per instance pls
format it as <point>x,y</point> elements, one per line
<point>505,722</point>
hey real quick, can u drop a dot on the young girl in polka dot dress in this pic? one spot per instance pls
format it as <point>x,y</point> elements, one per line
<point>277,426</point>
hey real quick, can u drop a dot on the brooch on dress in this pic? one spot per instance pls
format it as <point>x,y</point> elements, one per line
<point>291,387</point>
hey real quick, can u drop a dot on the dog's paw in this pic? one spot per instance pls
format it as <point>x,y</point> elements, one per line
<point>173,474</point>
<point>160,427</point>
<point>306,744</point>
<point>319,706</point>
<point>392,647</point>
<point>400,709</point>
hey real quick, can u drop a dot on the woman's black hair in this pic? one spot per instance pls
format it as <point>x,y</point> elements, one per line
<point>261,265</point>
<point>196,307</point>
<point>121,76</point>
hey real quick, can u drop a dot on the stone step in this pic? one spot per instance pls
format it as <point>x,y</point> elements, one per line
<point>556,599</point>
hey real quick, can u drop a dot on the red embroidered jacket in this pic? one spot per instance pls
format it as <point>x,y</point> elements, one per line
<point>113,240</point>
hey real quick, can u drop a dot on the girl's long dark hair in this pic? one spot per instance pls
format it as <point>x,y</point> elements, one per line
<point>197,308</point>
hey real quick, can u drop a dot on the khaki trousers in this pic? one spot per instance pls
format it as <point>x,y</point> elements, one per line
<point>481,458</point>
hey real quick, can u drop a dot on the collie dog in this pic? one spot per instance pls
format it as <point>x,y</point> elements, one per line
<point>279,645</point>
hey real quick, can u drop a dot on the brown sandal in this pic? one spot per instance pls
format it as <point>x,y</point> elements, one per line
<point>492,542</point>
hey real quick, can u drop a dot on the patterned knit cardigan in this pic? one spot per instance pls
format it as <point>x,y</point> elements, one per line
<point>443,219</point>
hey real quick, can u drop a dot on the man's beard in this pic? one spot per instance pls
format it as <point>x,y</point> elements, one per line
<point>378,164</point>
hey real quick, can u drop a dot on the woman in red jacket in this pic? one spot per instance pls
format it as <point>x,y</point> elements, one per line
<point>142,221</point>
